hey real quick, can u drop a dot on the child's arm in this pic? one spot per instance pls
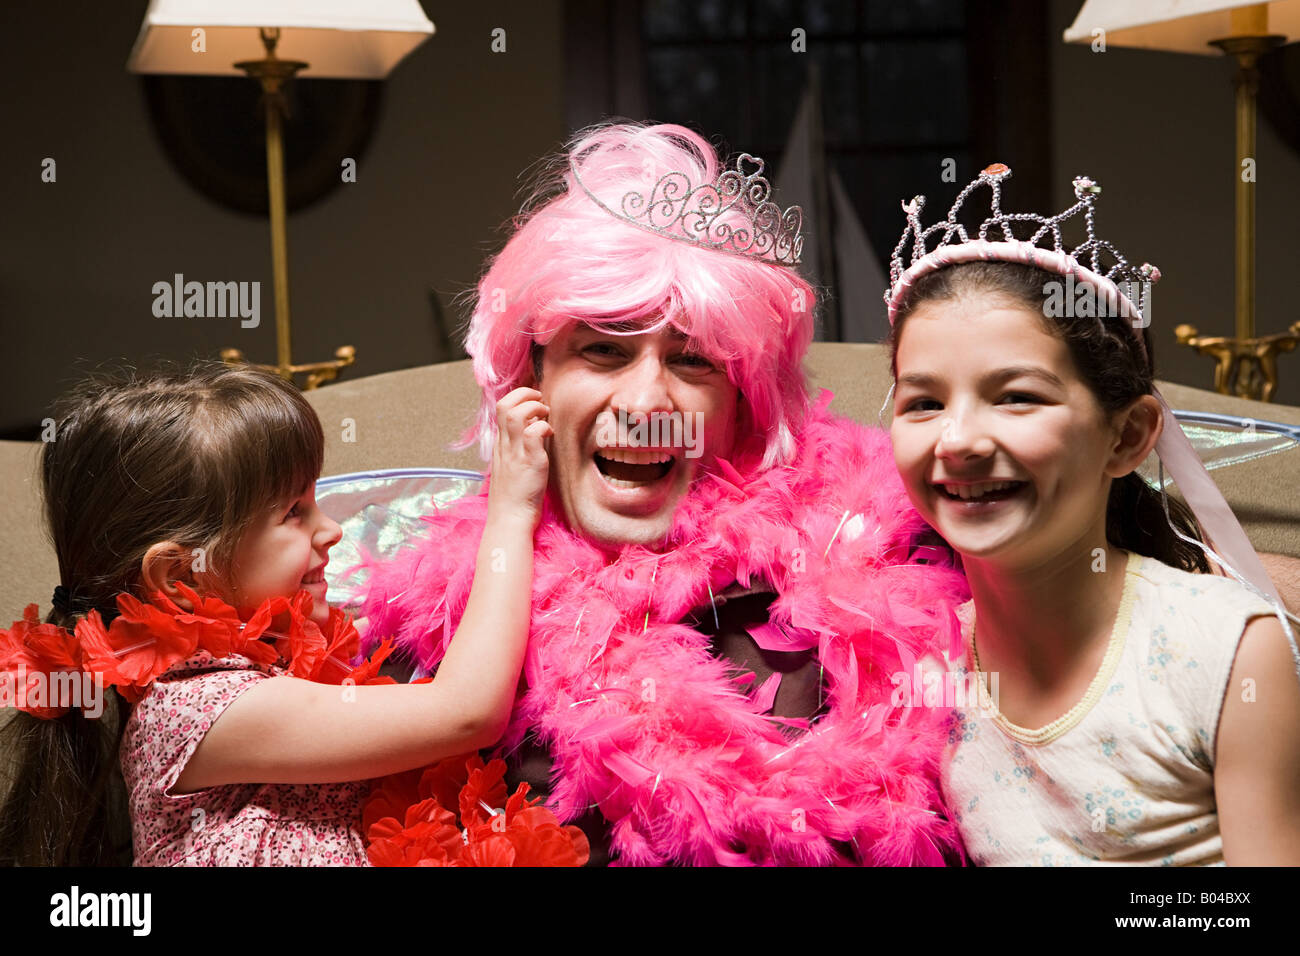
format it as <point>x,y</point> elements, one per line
<point>287,730</point>
<point>1257,759</point>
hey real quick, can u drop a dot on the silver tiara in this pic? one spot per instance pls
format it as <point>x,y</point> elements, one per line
<point>1098,255</point>
<point>706,214</point>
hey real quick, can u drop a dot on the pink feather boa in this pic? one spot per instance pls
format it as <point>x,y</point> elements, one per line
<point>643,721</point>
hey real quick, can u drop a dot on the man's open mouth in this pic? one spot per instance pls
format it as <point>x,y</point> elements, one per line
<point>633,467</point>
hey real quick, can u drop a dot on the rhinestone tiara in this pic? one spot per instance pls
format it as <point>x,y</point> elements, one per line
<point>1105,265</point>
<point>734,213</point>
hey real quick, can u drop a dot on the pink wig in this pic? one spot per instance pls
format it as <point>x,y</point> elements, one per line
<point>571,261</point>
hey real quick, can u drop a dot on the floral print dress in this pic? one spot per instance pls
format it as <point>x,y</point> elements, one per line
<point>237,825</point>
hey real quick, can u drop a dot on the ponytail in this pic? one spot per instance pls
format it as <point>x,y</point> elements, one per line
<point>64,802</point>
<point>62,799</point>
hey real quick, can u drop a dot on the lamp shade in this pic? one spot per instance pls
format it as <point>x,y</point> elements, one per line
<point>1182,26</point>
<point>337,38</point>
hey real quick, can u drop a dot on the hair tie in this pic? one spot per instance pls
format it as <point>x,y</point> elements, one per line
<point>62,600</point>
<point>67,602</point>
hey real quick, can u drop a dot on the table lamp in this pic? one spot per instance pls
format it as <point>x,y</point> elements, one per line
<point>1245,30</point>
<point>326,38</point>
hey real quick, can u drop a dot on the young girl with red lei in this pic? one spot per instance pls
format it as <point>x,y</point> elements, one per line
<point>192,553</point>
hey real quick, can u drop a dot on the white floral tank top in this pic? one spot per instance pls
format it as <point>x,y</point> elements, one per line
<point>1127,775</point>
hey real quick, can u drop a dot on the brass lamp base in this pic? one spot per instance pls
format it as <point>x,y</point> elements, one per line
<point>317,373</point>
<point>273,73</point>
<point>1245,364</point>
<point>1247,367</point>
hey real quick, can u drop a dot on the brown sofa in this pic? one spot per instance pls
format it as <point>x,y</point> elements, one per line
<point>408,418</point>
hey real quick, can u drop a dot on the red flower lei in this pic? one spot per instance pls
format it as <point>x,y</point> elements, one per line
<point>429,834</point>
<point>31,648</point>
<point>147,639</point>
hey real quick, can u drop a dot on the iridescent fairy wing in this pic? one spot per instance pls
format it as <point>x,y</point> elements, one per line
<point>1226,440</point>
<point>379,511</point>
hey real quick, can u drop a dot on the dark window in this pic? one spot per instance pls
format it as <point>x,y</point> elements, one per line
<point>904,86</point>
<point>893,80</point>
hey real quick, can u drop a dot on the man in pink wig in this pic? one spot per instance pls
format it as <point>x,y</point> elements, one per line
<point>730,594</point>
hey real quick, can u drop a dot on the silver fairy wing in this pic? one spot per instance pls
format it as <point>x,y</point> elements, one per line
<point>1226,440</point>
<point>379,512</point>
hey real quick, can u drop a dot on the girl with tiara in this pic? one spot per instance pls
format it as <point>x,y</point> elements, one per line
<point>192,553</point>
<point>1112,706</point>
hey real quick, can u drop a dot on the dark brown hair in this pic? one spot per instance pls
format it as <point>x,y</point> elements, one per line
<point>1109,362</point>
<point>191,456</point>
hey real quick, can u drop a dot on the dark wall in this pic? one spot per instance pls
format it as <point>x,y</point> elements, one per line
<point>1156,131</point>
<point>79,257</point>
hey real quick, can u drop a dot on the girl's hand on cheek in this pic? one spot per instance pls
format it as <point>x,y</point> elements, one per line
<point>520,464</point>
